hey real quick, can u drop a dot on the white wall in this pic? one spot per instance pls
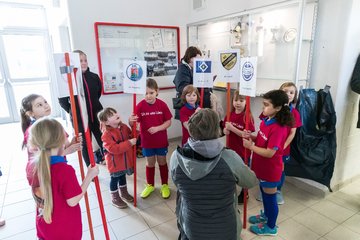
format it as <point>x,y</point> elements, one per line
<point>337,46</point>
<point>84,13</point>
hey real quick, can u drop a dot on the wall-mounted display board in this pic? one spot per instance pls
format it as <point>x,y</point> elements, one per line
<point>280,35</point>
<point>157,45</point>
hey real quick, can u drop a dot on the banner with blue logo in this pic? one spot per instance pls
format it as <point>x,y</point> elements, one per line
<point>134,76</point>
<point>202,73</point>
<point>229,66</point>
<point>248,67</point>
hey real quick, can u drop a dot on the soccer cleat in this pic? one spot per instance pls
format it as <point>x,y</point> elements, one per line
<point>165,191</point>
<point>263,229</point>
<point>258,218</point>
<point>147,191</point>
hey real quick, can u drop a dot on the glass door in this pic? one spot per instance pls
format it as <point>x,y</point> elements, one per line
<point>5,114</point>
<point>25,57</point>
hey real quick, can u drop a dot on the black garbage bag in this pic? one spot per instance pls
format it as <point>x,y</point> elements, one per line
<point>313,150</point>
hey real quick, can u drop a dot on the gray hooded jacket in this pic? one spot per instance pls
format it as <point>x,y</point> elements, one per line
<point>206,174</point>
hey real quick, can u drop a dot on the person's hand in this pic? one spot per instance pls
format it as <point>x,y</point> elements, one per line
<point>198,109</point>
<point>75,147</point>
<point>246,134</point>
<point>226,132</point>
<point>132,119</point>
<point>229,126</point>
<point>153,130</point>
<point>132,141</point>
<point>93,171</point>
<point>247,143</point>
<point>75,139</point>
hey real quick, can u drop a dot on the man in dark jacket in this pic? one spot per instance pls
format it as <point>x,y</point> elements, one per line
<point>92,89</point>
<point>206,175</point>
<point>355,84</point>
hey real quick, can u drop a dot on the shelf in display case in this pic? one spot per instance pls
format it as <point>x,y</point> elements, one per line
<point>271,33</point>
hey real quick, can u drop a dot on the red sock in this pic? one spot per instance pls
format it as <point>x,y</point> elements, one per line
<point>164,173</point>
<point>150,175</point>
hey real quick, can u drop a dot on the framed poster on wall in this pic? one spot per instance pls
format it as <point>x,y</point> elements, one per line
<point>157,45</point>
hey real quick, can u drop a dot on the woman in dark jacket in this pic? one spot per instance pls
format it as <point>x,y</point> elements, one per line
<point>92,88</point>
<point>184,76</point>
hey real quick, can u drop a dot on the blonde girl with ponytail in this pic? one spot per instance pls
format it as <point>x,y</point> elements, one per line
<point>60,191</point>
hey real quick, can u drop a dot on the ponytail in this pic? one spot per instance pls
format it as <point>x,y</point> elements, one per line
<point>280,99</point>
<point>284,116</point>
<point>46,134</point>
<point>43,169</point>
<point>26,106</point>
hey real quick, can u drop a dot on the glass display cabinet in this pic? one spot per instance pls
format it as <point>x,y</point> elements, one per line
<point>280,35</point>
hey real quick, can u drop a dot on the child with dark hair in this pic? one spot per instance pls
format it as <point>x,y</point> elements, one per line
<point>206,174</point>
<point>34,107</point>
<point>190,97</point>
<point>154,117</point>
<point>235,128</point>
<point>118,142</point>
<point>267,157</point>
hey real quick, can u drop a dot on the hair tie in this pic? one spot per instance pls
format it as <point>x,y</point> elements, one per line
<point>42,148</point>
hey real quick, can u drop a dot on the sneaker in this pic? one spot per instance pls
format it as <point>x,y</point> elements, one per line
<point>279,198</point>
<point>263,229</point>
<point>258,218</point>
<point>147,191</point>
<point>259,197</point>
<point>165,191</point>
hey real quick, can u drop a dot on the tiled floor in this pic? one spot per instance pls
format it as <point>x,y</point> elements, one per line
<point>302,217</point>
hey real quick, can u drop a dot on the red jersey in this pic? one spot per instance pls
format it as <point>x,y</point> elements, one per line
<point>120,154</point>
<point>235,141</point>
<point>271,135</point>
<point>297,124</point>
<point>66,220</point>
<point>185,113</point>
<point>152,115</point>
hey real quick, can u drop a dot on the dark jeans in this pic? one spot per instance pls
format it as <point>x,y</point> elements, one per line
<point>115,182</point>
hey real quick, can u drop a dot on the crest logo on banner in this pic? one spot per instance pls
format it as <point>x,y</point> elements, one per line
<point>202,73</point>
<point>248,76</point>
<point>203,66</point>
<point>247,71</point>
<point>228,60</point>
<point>229,66</point>
<point>134,72</point>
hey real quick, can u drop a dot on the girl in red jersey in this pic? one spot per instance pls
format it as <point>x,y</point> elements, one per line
<point>235,129</point>
<point>190,96</point>
<point>154,117</point>
<point>290,89</point>
<point>118,141</point>
<point>61,192</point>
<point>34,107</point>
<point>267,157</point>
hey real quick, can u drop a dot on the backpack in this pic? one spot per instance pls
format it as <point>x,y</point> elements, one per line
<point>313,149</point>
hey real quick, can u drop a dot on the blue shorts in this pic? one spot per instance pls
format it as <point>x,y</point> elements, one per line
<point>266,184</point>
<point>149,152</point>
<point>286,159</point>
